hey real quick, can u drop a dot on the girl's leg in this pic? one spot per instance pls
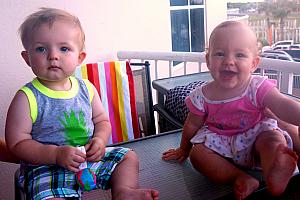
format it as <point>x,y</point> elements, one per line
<point>291,129</point>
<point>220,170</point>
<point>277,160</point>
<point>125,181</point>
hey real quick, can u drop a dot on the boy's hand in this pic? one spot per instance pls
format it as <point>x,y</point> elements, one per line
<point>69,157</point>
<point>95,149</point>
<point>175,154</point>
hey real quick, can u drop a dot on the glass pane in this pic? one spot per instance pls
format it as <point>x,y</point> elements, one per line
<point>197,30</point>
<point>196,2</point>
<point>178,2</point>
<point>180,30</point>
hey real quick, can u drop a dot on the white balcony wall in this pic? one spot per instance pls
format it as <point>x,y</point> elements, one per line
<point>110,26</point>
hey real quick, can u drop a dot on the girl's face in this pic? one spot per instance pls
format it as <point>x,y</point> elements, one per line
<point>232,57</point>
<point>54,51</point>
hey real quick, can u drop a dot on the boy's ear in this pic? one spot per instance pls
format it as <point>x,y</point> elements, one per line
<point>25,56</point>
<point>81,57</point>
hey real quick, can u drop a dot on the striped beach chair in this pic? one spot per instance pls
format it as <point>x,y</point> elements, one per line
<point>115,85</point>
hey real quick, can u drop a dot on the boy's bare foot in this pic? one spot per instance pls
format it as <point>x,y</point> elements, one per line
<point>244,186</point>
<point>282,170</point>
<point>136,194</point>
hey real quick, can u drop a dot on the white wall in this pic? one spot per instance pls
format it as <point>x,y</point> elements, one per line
<point>216,12</point>
<point>110,25</point>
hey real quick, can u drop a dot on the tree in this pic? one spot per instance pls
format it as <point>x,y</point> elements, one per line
<point>279,9</point>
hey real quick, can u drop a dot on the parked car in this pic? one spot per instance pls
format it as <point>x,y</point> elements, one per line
<point>294,47</point>
<point>283,42</point>
<point>276,54</point>
<point>282,45</point>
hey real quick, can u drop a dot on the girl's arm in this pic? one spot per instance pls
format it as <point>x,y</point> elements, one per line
<point>283,107</point>
<point>192,124</point>
<point>102,130</point>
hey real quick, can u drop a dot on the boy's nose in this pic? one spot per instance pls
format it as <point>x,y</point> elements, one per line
<point>53,55</point>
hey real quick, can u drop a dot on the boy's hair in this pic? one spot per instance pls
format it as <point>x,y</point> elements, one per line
<point>47,15</point>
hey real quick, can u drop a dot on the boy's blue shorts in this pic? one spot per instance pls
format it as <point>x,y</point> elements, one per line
<point>52,181</point>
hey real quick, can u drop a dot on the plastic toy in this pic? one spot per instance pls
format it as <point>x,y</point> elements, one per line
<point>85,178</point>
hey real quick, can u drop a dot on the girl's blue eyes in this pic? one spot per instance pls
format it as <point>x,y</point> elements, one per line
<point>239,55</point>
<point>219,54</point>
<point>64,49</point>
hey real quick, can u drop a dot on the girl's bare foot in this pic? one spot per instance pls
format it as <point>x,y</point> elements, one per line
<point>282,170</point>
<point>136,194</point>
<point>244,186</point>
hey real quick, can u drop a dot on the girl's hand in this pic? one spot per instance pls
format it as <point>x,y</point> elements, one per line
<point>69,157</point>
<point>175,154</point>
<point>95,149</point>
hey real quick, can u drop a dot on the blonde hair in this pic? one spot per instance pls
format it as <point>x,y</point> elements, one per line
<point>229,24</point>
<point>47,15</point>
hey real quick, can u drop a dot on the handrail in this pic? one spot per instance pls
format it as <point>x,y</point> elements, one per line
<point>196,57</point>
<point>286,71</point>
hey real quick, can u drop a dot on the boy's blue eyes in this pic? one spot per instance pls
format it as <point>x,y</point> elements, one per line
<point>40,49</point>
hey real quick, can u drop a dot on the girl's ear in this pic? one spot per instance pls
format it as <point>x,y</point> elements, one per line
<point>25,56</point>
<point>207,59</point>
<point>81,57</point>
<point>255,63</point>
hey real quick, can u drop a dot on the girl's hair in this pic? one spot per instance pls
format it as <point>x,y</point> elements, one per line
<point>47,15</point>
<point>229,24</point>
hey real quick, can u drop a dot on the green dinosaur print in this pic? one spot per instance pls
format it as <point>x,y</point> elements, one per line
<point>76,133</point>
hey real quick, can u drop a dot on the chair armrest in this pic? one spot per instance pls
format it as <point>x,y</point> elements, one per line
<point>166,115</point>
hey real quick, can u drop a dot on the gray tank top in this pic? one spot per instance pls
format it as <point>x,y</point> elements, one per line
<point>61,117</point>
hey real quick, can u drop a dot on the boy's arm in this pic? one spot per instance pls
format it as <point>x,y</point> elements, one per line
<point>102,130</point>
<point>6,155</point>
<point>17,134</point>
<point>101,121</point>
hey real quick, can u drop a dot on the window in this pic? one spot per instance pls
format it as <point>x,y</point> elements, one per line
<point>187,25</point>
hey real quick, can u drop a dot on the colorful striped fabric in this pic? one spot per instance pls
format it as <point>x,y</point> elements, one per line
<point>114,83</point>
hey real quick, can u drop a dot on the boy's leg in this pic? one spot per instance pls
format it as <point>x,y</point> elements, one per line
<point>220,170</point>
<point>277,160</point>
<point>124,181</point>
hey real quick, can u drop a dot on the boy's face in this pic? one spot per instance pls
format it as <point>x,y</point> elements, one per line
<point>232,56</point>
<point>54,51</point>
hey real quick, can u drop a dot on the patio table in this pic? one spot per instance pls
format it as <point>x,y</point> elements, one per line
<point>162,86</point>
<point>173,180</point>
<point>177,181</point>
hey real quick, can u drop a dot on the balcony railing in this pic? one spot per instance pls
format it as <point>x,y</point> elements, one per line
<point>286,73</point>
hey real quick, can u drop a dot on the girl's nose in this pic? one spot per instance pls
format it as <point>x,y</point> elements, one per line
<point>228,59</point>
